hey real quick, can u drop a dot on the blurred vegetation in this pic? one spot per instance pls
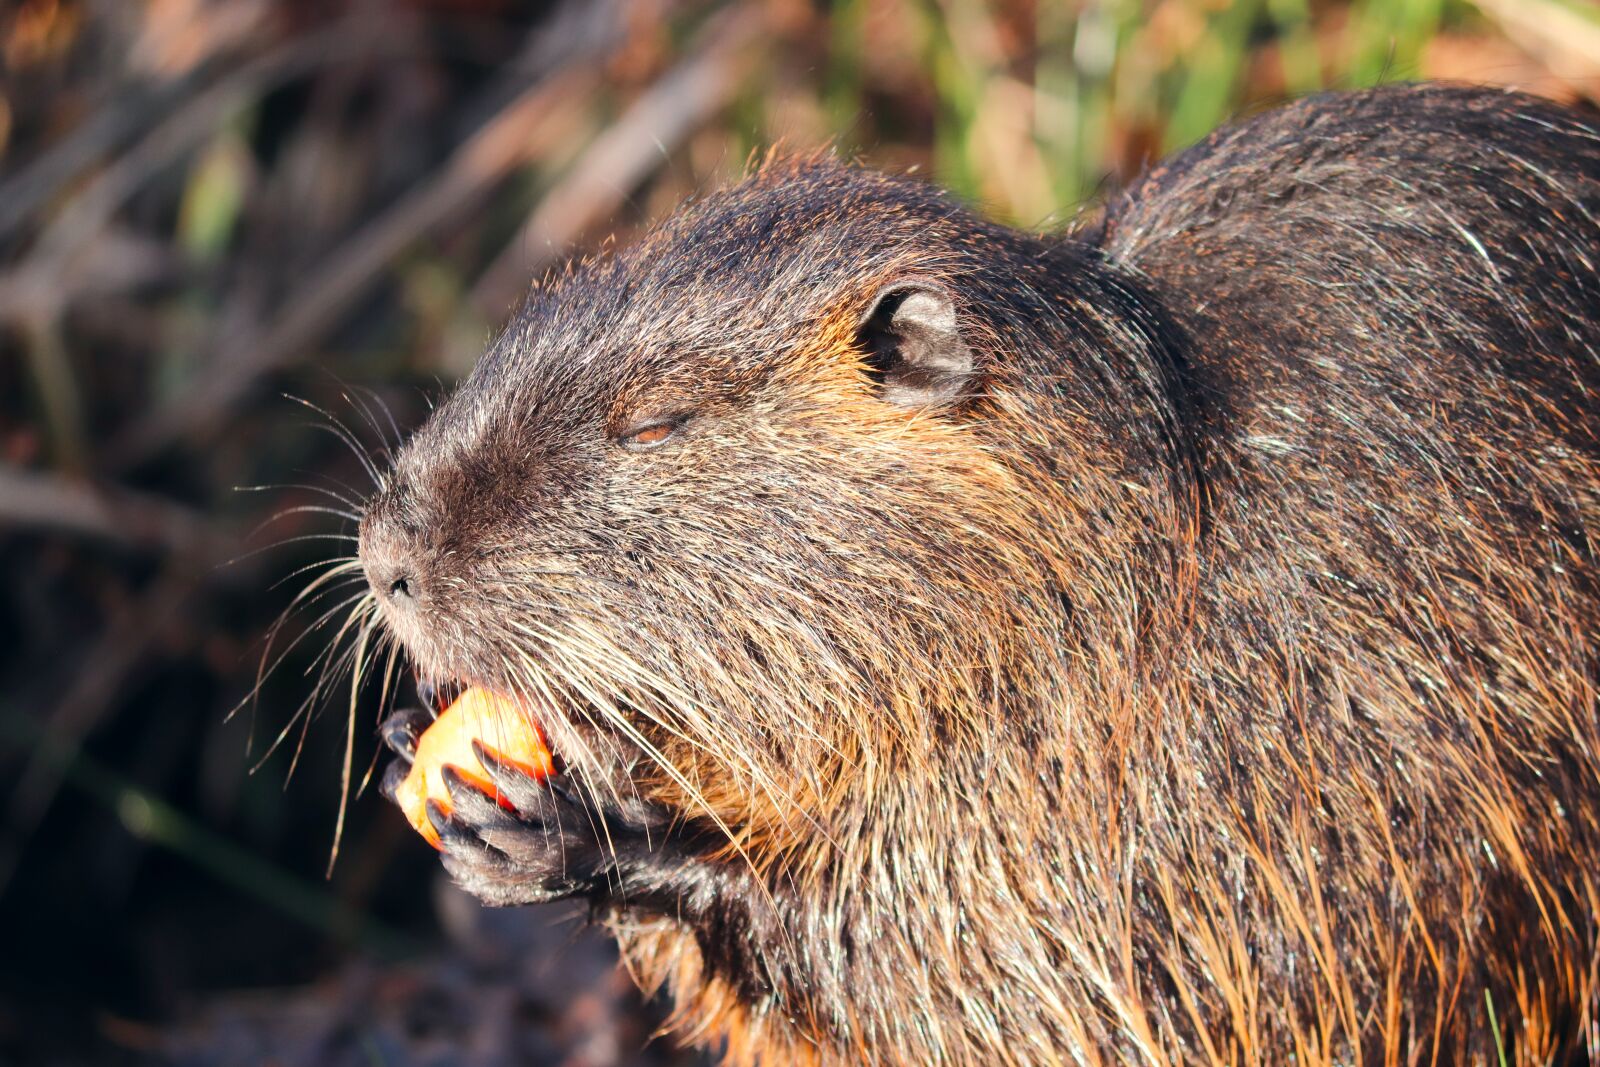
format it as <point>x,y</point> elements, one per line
<point>208,204</point>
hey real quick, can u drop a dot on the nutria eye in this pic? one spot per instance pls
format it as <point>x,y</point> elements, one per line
<point>650,435</point>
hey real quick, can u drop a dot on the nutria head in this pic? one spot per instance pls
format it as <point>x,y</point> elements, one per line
<point>787,488</point>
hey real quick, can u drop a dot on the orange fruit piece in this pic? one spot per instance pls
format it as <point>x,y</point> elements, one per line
<point>499,724</point>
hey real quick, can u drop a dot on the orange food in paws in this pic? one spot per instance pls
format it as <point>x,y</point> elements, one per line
<point>501,725</point>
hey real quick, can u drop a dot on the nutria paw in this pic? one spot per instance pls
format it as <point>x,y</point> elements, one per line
<point>536,839</point>
<point>544,847</point>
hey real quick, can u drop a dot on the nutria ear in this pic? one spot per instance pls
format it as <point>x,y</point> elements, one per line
<point>913,345</point>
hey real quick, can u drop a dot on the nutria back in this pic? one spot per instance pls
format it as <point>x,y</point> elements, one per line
<point>1173,641</point>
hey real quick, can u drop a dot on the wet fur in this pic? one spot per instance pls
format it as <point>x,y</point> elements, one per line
<point>1214,682</point>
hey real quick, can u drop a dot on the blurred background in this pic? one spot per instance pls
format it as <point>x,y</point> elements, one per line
<point>243,245</point>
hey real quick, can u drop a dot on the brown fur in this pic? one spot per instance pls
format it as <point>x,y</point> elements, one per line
<point>1213,681</point>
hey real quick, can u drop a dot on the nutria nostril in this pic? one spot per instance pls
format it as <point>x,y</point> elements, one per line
<point>393,571</point>
<point>394,578</point>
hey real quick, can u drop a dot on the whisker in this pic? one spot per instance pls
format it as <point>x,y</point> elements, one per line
<point>351,501</point>
<point>342,432</point>
<point>304,599</point>
<point>356,496</point>
<point>348,563</point>
<point>362,642</point>
<point>331,669</point>
<point>361,402</point>
<point>303,509</point>
<point>252,553</point>
<point>619,722</point>
<point>388,696</point>
<point>264,674</point>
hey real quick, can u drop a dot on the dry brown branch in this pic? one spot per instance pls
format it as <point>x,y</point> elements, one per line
<point>180,132</point>
<point>621,158</point>
<point>106,128</point>
<point>523,128</point>
<point>1560,38</point>
<point>31,499</point>
<point>105,667</point>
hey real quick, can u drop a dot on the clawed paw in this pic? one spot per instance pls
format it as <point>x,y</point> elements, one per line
<point>533,839</point>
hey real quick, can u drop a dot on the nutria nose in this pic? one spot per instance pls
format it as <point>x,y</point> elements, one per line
<point>392,571</point>
<point>395,584</point>
<point>400,592</point>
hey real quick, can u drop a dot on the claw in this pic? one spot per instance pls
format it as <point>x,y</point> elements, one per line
<point>514,785</point>
<point>400,731</point>
<point>451,833</point>
<point>454,781</point>
<point>469,802</point>
<point>393,775</point>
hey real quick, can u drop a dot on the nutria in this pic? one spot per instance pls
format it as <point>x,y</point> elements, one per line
<point>1171,641</point>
